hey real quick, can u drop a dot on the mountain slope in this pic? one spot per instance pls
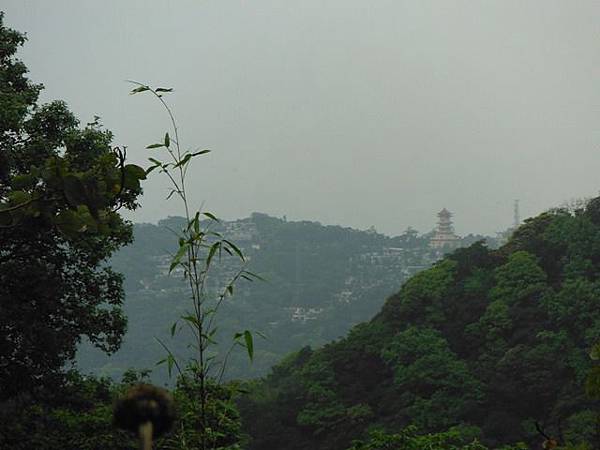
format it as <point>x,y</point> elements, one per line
<point>487,340</point>
<point>321,280</point>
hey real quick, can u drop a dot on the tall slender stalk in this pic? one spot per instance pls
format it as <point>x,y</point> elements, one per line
<point>198,245</point>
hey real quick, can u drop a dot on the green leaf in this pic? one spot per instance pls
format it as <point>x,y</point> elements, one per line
<point>235,249</point>
<point>151,146</point>
<point>173,329</point>
<point>197,223</point>
<point>254,275</point>
<point>262,335</point>
<point>170,362</point>
<point>249,344</point>
<point>211,216</point>
<point>177,258</point>
<point>167,140</point>
<point>192,319</point>
<point>201,152</point>
<point>160,89</point>
<point>212,251</point>
<point>139,89</point>
<point>183,161</point>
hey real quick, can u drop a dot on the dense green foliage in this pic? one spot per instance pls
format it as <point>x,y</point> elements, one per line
<point>61,187</point>
<point>79,416</point>
<point>486,340</point>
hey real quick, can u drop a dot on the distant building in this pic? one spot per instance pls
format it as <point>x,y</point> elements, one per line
<point>444,236</point>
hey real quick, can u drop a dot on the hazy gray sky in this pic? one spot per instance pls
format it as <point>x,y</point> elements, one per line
<point>348,112</point>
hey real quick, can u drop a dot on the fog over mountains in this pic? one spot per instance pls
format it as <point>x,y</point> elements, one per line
<point>342,111</point>
<point>319,282</point>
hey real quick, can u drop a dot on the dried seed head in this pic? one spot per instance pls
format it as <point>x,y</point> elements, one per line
<point>549,444</point>
<point>145,403</point>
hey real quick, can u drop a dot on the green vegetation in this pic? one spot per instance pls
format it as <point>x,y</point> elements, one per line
<point>199,245</point>
<point>61,187</point>
<point>486,349</point>
<point>320,281</point>
<point>79,416</point>
<point>489,341</point>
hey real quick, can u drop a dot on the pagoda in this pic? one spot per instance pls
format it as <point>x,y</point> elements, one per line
<point>444,234</point>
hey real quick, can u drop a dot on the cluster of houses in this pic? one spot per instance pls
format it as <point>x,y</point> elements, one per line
<point>386,266</point>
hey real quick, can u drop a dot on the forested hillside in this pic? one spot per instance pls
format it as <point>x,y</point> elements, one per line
<point>319,282</point>
<point>485,343</point>
<point>259,333</point>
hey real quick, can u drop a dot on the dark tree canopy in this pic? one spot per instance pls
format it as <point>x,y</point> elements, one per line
<point>484,343</point>
<point>61,186</point>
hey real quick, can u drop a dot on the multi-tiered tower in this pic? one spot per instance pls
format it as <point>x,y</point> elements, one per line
<point>444,236</point>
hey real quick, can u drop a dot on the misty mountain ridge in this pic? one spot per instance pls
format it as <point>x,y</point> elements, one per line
<point>486,344</point>
<point>320,281</point>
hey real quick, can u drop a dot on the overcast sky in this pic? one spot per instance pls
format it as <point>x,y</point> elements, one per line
<point>348,112</point>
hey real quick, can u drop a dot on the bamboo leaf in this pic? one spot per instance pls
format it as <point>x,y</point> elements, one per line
<point>177,258</point>
<point>203,152</point>
<point>139,89</point>
<point>254,275</point>
<point>249,344</point>
<point>183,161</point>
<point>170,362</point>
<point>197,223</point>
<point>150,169</point>
<point>192,319</point>
<point>212,251</point>
<point>262,335</point>
<point>211,216</point>
<point>235,249</point>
